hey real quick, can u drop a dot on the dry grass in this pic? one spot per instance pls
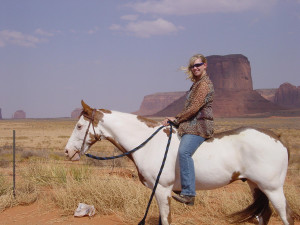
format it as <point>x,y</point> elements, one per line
<point>42,171</point>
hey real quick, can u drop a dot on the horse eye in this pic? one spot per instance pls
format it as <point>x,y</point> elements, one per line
<point>79,126</point>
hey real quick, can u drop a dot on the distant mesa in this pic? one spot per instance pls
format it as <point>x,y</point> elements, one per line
<point>287,95</point>
<point>234,94</point>
<point>0,114</point>
<point>20,114</point>
<point>230,72</point>
<point>268,94</point>
<point>76,113</point>
<point>157,102</point>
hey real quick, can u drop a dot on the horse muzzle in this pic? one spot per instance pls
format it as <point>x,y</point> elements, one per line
<point>72,155</point>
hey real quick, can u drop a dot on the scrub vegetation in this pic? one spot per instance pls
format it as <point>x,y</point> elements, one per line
<point>113,187</point>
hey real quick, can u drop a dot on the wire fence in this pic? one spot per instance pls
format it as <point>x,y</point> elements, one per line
<point>110,166</point>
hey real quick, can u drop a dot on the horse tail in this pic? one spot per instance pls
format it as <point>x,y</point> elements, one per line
<point>259,207</point>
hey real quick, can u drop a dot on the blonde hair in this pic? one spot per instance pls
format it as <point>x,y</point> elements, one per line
<point>188,69</point>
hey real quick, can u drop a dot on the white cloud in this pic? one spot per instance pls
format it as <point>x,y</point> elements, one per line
<point>93,31</point>
<point>19,39</point>
<point>147,29</point>
<point>189,7</point>
<point>129,17</point>
<point>115,27</point>
<point>42,32</point>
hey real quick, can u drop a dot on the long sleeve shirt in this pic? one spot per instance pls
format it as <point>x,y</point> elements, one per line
<point>197,116</point>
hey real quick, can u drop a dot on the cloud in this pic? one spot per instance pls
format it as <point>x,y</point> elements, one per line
<point>115,27</point>
<point>42,32</point>
<point>94,30</point>
<point>147,29</point>
<point>131,17</point>
<point>190,7</point>
<point>19,39</point>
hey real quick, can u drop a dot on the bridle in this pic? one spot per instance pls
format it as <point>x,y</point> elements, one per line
<point>97,137</point>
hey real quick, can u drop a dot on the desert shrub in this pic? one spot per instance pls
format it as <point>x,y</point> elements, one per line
<point>80,173</point>
<point>25,193</point>
<point>109,194</point>
<point>4,163</point>
<point>3,185</point>
<point>45,173</point>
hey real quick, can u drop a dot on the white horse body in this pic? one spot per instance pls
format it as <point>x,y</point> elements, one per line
<point>247,154</point>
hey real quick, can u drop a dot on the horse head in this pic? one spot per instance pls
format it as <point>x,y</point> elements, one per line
<point>85,133</point>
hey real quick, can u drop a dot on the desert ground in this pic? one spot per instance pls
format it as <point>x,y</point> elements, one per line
<point>49,188</point>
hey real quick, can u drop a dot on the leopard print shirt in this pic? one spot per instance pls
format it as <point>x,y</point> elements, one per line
<point>197,115</point>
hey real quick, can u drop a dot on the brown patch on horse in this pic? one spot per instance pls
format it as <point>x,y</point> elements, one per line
<point>98,115</point>
<point>122,149</point>
<point>235,176</point>
<point>226,133</point>
<point>148,122</point>
<point>94,138</point>
<point>115,143</point>
<point>119,146</point>
<point>107,111</point>
<point>276,137</point>
<point>241,129</point>
<point>167,131</point>
<point>269,133</point>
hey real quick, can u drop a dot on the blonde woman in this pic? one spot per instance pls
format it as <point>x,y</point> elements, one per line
<point>195,124</point>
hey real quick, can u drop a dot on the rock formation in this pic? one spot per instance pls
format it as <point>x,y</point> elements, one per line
<point>228,104</point>
<point>76,113</point>
<point>234,94</point>
<point>288,95</point>
<point>20,114</point>
<point>268,94</point>
<point>156,102</point>
<point>230,72</point>
<point>0,114</point>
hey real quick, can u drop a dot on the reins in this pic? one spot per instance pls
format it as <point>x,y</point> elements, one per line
<point>142,222</point>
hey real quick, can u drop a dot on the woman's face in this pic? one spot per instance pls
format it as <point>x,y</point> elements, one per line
<point>198,68</point>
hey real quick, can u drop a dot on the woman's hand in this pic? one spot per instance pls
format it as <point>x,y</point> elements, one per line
<point>165,121</point>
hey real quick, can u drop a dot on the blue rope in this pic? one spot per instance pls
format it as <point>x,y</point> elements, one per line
<point>126,153</point>
<point>142,222</point>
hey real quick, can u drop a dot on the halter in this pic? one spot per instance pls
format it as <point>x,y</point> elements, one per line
<point>91,120</point>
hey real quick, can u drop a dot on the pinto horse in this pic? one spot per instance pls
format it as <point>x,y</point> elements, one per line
<point>253,155</point>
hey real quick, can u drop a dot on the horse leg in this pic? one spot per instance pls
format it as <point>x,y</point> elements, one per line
<point>280,204</point>
<point>163,198</point>
<point>263,215</point>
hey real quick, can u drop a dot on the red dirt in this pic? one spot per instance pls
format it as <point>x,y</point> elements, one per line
<point>36,214</point>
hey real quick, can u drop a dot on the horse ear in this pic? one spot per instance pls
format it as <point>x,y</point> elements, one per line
<point>87,109</point>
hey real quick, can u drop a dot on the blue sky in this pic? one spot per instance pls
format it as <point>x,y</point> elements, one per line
<point>112,53</point>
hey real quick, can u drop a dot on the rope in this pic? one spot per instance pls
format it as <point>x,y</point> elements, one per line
<point>126,153</point>
<point>142,222</point>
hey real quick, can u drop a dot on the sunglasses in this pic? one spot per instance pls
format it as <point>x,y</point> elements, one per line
<point>196,65</point>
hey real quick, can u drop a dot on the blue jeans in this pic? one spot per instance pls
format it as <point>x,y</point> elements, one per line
<point>188,145</point>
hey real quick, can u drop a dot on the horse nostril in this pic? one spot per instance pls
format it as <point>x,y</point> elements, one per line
<point>66,151</point>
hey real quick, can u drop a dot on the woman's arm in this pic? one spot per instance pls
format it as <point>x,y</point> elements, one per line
<point>198,96</point>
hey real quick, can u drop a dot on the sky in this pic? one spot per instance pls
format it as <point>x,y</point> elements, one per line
<point>111,53</point>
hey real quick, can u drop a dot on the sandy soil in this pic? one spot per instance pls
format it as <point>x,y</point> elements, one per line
<point>37,214</point>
